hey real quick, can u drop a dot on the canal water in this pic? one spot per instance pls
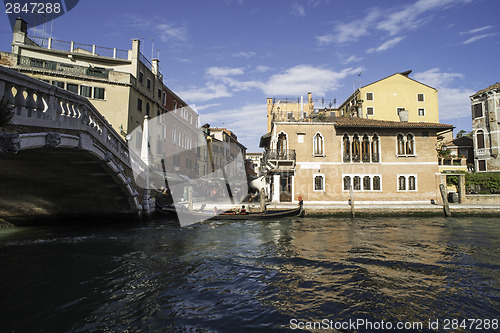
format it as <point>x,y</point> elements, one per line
<point>246,276</point>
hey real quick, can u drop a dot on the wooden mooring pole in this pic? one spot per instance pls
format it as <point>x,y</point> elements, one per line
<point>352,201</point>
<point>446,206</point>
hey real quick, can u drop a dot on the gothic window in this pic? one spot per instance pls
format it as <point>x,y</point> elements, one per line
<point>347,150</point>
<point>318,144</point>
<point>480,139</point>
<point>366,183</point>
<point>347,183</point>
<point>376,183</point>
<point>412,186</point>
<point>402,183</point>
<point>365,149</point>
<point>355,148</point>
<point>401,144</point>
<point>281,145</point>
<point>375,149</point>
<point>357,183</point>
<point>410,145</point>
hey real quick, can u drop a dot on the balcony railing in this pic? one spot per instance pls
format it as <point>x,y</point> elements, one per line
<point>54,44</point>
<point>98,72</point>
<point>281,155</point>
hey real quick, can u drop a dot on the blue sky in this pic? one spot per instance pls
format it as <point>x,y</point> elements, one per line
<point>227,56</point>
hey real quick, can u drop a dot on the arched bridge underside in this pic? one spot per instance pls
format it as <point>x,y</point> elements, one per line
<point>54,184</point>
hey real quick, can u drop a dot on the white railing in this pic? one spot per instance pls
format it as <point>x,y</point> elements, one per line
<point>54,44</point>
<point>40,104</point>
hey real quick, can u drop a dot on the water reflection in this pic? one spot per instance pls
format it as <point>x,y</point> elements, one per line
<point>225,275</point>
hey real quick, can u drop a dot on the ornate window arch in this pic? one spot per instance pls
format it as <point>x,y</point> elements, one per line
<point>375,148</point>
<point>410,144</point>
<point>365,148</point>
<point>318,145</point>
<point>356,153</point>
<point>346,145</point>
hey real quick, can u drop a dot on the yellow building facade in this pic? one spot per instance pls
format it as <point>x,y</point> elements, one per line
<point>387,98</point>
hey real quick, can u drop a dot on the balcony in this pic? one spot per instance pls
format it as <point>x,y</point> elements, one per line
<point>59,67</point>
<point>279,160</point>
<point>452,164</point>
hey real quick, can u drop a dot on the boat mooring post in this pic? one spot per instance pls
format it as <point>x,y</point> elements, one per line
<point>352,201</point>
<point>446,206</point>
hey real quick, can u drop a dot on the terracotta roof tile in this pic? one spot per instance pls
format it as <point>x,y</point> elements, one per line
<point>493,86</point>
<point>363,122</point>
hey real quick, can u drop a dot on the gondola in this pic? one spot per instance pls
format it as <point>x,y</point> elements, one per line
<point>183,214</point>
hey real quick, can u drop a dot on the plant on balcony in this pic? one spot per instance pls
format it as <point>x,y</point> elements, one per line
<point>444,153</point>
<point>6,112</point>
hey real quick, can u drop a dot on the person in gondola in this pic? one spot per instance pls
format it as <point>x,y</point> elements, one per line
<point>242,210</point>
<point>164,198</point>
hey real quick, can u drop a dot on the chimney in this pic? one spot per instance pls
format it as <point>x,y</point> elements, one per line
<point>155,67</point>
<point>403,115</point>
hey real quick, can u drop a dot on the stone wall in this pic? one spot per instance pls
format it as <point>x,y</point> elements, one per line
<point>483,199</point>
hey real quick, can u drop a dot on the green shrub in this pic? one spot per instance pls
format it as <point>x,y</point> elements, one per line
<point>482,183</point>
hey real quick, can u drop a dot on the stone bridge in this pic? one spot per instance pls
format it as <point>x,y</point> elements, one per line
<point>60,158</point>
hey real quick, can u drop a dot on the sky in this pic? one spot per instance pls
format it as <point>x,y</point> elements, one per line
<point>226,57</point>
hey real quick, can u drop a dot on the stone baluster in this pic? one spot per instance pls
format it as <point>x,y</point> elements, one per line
<point>30,101</point>
<point>59,107</point>
<point>39,104</point>
<point>20,101</point>
<point>7,93</point>
<point>53,106</point>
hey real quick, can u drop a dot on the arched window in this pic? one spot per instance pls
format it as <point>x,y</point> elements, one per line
<point>412,186</point>
<point>347,183</point>
<point>366,183</point>
<point>375,149</point>
<point>410,145</point>
<point>402,183</point>
<point>376,183</point>
<point>347,148</point>
<point>355,148</point>
<point>318,144</point>
<point>365,149</point>
<point>281,146</point>
<point>401,144</point>
<point>480,139</point>
<point>356,183</point>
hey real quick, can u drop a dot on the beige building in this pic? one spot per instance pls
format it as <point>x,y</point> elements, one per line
<point>385,99</point>
<point>381,160</point>
<point>486,128</point>
<point>122,84</point>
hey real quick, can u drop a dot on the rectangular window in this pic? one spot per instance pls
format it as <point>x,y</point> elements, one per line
<point>369,96</point>
<point>420,97</point>
<point>175,105</point>
<point>139,105</point>
<point>289,115</point>
<point>369,111</point>
<point>148,85</point>
<point>99,93</point>
<point>141,77</point>
<point>72,87</point>
<point>159,93</point>
<point>407,183</point>
<point>86,91</point>
<point>421,112</point>
<point>481,164</point>
<point>319,183</point>
<point>164,98</point>
<point>59,84</point>
<point>300,137</point>
<point>477,110</point>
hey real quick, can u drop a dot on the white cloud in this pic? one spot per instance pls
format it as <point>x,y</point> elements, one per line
<point>206,106</point>
<point>248,122</point>
<point>386,45</point>
<point>303,78</point>
<point>476,38</point>
<point>217,72</point>
<point>352,59</point>
<point>435,78</point>
<point>246,55</point>
<point>453,101</point>
<point>262,69</point>
<point>406,17</point>
<point>297,9</point>
<point>170,32</point>
<point>476,30</point>
<point>210,91</point>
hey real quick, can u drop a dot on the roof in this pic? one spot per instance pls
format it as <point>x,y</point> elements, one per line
<point>460,142</point>
<point>405,74</point>
<point>350,122</point>
<point>493,86</point>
